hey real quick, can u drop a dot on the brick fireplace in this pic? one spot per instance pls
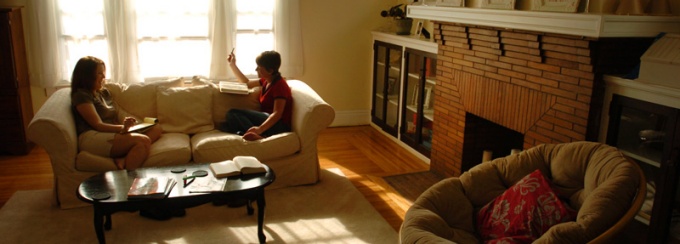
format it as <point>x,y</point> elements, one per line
<point>547,87</point>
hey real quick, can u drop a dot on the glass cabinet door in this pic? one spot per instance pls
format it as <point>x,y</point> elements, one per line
<point>644,132</point>
<point>386,85</point>
<point>419,87</point>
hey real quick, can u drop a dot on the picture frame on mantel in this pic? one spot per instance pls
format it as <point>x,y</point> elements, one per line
<point>567,6</point>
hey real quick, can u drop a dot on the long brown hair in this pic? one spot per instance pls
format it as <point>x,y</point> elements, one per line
<point>85,73</point>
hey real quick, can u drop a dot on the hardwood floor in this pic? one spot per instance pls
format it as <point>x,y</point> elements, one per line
<point>362,153</point>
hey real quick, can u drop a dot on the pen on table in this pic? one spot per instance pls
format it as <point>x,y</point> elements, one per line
<point>192,177</point>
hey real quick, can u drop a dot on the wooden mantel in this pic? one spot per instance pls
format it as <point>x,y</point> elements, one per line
<point>578,24</point>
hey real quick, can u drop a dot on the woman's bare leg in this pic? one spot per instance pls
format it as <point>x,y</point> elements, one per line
<point>133,147</point>
<point>154,133</point>
<point>137,155</point>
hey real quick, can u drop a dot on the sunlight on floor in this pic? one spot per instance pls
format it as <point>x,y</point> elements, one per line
<point>328,230</point>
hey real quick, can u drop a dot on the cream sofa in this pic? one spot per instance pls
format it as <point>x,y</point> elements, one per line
<point>189,114</point>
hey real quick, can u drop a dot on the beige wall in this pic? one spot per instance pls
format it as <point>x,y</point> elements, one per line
<point>338,52</point>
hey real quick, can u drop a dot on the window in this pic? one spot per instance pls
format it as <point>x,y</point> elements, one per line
<point>254,27</point>
<point>82,31</point>
<point>172,35</point>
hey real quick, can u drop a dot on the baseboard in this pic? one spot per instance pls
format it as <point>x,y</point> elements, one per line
<point>351,118</point>
<point>402,144</point>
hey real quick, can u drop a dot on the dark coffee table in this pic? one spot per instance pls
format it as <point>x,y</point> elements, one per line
<point>107,192</point>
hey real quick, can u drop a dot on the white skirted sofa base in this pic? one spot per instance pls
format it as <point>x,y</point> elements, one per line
<point>189,114</point>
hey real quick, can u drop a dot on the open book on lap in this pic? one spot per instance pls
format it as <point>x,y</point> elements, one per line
<point>141,127</point>
<point>237,166</point>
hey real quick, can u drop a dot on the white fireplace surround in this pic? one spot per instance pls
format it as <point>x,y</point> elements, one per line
<point>578,24</point>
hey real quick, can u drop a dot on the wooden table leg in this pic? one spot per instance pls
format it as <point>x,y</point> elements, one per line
<point>249,206</point>
<point>107,222</point>
<point>260,215</point>
<point>99,224</point>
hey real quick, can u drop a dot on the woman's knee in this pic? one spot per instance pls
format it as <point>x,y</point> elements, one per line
<point>143,140</point>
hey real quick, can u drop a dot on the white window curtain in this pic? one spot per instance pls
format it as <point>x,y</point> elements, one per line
<point>221,28</point>
<point>121,31</point>
<point>288,37</point>
<point>45,48</point>
<point>47,54</point>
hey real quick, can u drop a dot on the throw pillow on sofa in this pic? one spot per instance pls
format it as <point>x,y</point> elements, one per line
<point>523,212</point>
<point>185,110</point>
<point>138,100</point>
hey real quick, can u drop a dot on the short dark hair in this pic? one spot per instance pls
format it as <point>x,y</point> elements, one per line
<point>85,73</point>
<point>270,60</point>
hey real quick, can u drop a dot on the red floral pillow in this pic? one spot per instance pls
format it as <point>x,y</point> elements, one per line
<point>523,212</point>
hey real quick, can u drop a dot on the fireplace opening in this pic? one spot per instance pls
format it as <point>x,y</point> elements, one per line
<point>485,139</point>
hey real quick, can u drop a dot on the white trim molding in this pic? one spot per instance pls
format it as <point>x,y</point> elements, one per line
<point>351,118</point>
<point>579,24</point>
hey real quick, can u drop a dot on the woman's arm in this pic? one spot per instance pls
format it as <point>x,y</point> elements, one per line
<point>275,116</point>
<point>89,113</point>
<point>239,75</point>
<point>237,72</point>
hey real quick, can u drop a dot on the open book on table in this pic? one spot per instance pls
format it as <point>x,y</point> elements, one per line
<point>238,165</point>
<point>150,187</point>
<point>144,125</point>
<point>234,87</point>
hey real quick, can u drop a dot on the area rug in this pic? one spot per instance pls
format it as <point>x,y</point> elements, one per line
<point>411,185</point>
<point>332,211</point>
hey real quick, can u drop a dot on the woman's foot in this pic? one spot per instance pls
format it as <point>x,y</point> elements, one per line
<point>250,136</point>
<point>120,163</point>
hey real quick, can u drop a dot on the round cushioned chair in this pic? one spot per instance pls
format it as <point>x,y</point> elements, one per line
<point>599,182</point>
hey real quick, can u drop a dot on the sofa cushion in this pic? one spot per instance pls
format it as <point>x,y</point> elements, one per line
<point>170,149</point>
<point>138,100</point>
<point>213,146</point>
<point>523,212</point>
<point>185,110</point>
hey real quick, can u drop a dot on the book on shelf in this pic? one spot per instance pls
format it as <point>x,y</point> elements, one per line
<point>234,87</point>
<point>150,187</point>
<point>143,126</point>
<point>237,166</point>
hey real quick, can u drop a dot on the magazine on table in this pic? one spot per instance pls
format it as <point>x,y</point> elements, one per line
<point>150,187</point>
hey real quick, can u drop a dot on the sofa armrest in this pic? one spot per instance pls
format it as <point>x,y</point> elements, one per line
<point>53,129</point>
<point>311,113</point>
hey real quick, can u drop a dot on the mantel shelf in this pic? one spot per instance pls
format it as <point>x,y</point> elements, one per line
<point>579,24</point>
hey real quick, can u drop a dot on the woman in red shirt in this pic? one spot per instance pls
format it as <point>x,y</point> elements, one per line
<point>276,101</point>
